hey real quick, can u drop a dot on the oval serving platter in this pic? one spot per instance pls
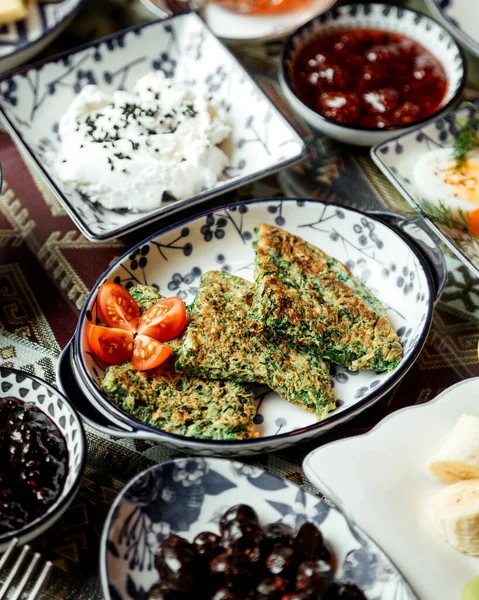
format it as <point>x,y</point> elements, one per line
<point>187,496</point>
<point>175,259</point>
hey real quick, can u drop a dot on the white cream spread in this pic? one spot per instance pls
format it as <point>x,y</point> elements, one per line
<point>127,149</point>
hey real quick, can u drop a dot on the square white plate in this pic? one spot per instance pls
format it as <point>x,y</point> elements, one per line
<point>33,100</point>
<point>397,158</point>
<point>381,479</point>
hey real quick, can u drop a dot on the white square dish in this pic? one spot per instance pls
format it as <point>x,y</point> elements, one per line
<point>397,158</point>
<point>33,100</point>
<point>381,480</point>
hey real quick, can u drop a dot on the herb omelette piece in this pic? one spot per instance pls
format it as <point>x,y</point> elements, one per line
<point>310,298</point>
<point>220,344</point>
<point>146,296</point>
<point>176,402</point>
<point>182,404</point>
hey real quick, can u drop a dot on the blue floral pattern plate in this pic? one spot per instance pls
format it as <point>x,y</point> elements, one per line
<point>174,260</point>
<point>187,496</point>
<point>262,141</point>
<point>397,157</point>
<point>461,17</point>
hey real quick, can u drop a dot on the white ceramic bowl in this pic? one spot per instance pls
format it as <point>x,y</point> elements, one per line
<point>386,260</point>
<point>410,23</point>
<point>29,388</point>
<point>240,28</point>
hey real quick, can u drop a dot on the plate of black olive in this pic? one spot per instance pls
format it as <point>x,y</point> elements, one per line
<point>42,455</point>
<point>214,529</point>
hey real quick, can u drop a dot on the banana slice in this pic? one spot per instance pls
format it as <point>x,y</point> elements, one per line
<point>454,513</point>
<point>459,457</point>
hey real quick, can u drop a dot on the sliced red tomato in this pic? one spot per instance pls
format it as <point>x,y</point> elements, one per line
<point>112,345</point>
<point>148,353</point>
<point>117,307</point>
<point>165,320</point>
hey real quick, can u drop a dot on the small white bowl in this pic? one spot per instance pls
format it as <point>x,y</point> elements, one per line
<point>29,388</point>
<point>386,17</point>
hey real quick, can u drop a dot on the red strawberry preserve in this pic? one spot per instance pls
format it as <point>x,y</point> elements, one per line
<point>369,78</point>
<point>33,463</point>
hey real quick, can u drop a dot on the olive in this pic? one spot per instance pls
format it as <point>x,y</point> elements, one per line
<point>314,573</point>
<point>174,540</point>
<point>272,588</point>
<point>277,533</point>
<point>241,535</point>
<point>308,540</point>
<point>176,561</point>
<point>208,545</point>
<point>307,594</point>
<point>340,590</point>
<point>324,552</point>
<point>160,591</point>
<point>281,560</point>
<point>224,593</point>
<point>239,512</point>
<point>232,569</point>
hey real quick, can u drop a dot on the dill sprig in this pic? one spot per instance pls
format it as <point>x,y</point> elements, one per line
<point>468,138</point>
<point>444,215</point>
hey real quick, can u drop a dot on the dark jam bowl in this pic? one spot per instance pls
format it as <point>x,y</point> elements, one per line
<point>33,390</point>
<point>376,16</point>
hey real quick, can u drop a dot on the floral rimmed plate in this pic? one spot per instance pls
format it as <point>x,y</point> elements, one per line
<point>461,17</point>
<point>397,158</point>
<point>31,103</point>
<point>21,40</point>
<point>174,260</point>
<point>386,488</point>
<point>189,495</point>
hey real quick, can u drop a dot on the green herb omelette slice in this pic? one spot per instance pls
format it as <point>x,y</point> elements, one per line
<point>176,402</point>
<point>220,344</point>
<point>310,298</point>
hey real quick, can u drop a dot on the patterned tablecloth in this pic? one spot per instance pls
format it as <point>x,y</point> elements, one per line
<point>47,268</point>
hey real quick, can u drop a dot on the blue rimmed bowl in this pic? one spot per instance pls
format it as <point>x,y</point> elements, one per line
<point>388,253</point>
<point>21,40</point>
<point>27,387</point>
<point>386,17</point>
<point>187,496</point>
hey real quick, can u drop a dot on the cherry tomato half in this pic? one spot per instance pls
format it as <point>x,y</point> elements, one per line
<point>165,320</point>
<point>117,307</point>
<point>112,345</point>
<point>148,353</point>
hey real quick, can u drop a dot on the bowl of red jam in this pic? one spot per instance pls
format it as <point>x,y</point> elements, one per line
<point>361,72</point>
<point>42,455</point>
